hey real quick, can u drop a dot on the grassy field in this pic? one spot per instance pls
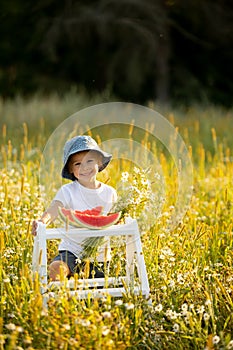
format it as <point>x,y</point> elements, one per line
<point>189,267</point>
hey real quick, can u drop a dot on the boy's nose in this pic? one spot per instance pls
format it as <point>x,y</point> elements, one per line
<point>84,165</point>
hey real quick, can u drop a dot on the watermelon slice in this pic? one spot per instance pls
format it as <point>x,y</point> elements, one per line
<point>95,222</point>
<point>66,214</point>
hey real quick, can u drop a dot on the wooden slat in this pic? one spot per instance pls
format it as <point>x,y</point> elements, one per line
<point>99,293</point>
<point>89,282</point>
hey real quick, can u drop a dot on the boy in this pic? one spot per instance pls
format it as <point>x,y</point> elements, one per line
<point>82,161</point>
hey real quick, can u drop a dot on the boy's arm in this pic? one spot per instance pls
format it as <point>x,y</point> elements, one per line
<point>48,216</point>
<point>51,212</point>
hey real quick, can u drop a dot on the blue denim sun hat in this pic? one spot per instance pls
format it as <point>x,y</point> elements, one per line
<point>78,144</point>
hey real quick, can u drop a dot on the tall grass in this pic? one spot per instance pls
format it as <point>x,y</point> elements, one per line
<point>189,267</point>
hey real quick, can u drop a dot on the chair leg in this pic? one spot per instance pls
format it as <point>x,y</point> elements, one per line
<point>130,261</point>
<point>35,255</point>
<point>140,264</point>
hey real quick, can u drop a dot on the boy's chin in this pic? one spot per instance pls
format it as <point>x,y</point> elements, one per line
<point>86,179</point>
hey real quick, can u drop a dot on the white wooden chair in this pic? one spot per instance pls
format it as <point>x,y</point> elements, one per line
<point>135,280</point>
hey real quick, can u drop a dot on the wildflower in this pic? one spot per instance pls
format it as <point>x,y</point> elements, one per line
<point>84,323</point>
<point>216,339</point>
<point>105,331</point>
<point>230,345</point>
<point>158,307</point>
<point>106,314</point>
<point>171,283</point>
<point>180,278</point>
<point>145,182</point>
<point>200,309</point>
<point>110,343</point>
<point>11,315</point>
<point>206,316</point>
<point>6,280</point>
<point>176,327</point>
<point>78,261</point>
<point>27,340</point>
<point>118,302</point>
<point>167,251</point>
<point>19,329</point>
<point>184,307</point>
<point>72,341</point>
<point>136,170</point>
<point>124,176</point>
<point>66,327</point>
<point>11,326</point>
<point>129,306</point>
<point>171,314</point>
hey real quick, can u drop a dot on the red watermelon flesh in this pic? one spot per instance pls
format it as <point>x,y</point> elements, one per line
<point>96,222</point>
<point>94,211</point>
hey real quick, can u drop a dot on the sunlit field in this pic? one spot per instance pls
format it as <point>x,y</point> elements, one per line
<point>189,267</point>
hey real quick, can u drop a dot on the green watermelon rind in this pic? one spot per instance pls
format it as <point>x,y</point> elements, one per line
<point>70,221</point>
<point>81,220</point>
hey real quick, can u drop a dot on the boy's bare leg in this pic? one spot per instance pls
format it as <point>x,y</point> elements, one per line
<point>57,269</point>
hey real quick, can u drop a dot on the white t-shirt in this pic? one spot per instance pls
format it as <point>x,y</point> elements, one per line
<point>78,197</point>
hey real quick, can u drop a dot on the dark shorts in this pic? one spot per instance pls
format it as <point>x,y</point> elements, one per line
<point>76,266</point>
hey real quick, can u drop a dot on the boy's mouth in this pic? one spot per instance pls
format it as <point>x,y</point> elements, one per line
<point>87,173</point>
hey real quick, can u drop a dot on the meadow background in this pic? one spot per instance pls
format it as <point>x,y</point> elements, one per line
<point>189,268</point>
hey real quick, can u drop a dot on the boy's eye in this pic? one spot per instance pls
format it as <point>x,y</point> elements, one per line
<point>79,163</point>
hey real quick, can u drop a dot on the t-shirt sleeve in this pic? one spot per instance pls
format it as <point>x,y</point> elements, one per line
<point>62,196</point>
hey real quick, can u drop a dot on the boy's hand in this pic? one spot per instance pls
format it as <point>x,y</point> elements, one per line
<point>34,228</point>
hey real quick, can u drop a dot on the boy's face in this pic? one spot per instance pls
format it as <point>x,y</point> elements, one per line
<point>85,165</point>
